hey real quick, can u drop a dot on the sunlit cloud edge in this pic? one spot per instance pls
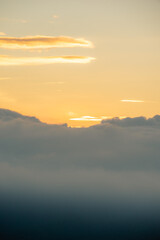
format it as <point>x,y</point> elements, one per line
<point>12,61</point>
<point>43,42</point>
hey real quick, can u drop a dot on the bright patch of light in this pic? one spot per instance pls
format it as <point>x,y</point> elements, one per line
<point>132,101</point>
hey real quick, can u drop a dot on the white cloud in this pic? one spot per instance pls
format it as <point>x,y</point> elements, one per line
<point>91,118</point>
<point>132,101</point>
<point>86,118</point>
<point>13,61</point>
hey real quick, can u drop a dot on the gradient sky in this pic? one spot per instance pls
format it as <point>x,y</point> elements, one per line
<point>117,58</point>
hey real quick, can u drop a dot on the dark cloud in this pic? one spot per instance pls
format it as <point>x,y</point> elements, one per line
<point>126,144</point>
<point>8,115</point>
<point>136,121</point>
<point>100,182</point>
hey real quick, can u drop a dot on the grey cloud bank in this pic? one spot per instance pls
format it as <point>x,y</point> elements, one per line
<point>8,115</point>
<point>126,144</point>
<point>98,181</point>
<point>136,121</point>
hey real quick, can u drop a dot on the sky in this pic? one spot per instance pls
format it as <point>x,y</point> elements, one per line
<point>79,62</point>
<point>79,119</point>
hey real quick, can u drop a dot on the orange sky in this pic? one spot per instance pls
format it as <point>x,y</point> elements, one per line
<point>77,61</point>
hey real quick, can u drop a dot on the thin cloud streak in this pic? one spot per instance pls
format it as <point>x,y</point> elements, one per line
<point>53,83</point>
<point>42,42</point>
<point>94,119</point>
<point>87,118</point>
<point>55,16</point>
<point>4,97</point>
<point>132,101</point>
<point>2,33</point>
<point>13,20</point>
<point>12,61</point>
<point>5,78</point>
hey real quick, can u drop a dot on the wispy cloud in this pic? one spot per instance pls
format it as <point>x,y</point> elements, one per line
<point>9,60</point>
<point>87,118</point>
<point>55,16</point>
<point>13,20</point>
<point>53,83</point>
<point>2,33</point>
<point>94,119</point>
<point>5,78</point>
<point>132,101</point>
<point>4,97</point>
<point>43,42</point>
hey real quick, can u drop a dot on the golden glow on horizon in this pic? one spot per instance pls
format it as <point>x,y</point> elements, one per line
<point>86,121</point>
<point>9,60</point>
<point>86,118</point>
<point>93,119</point>
<point>43,42</point>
